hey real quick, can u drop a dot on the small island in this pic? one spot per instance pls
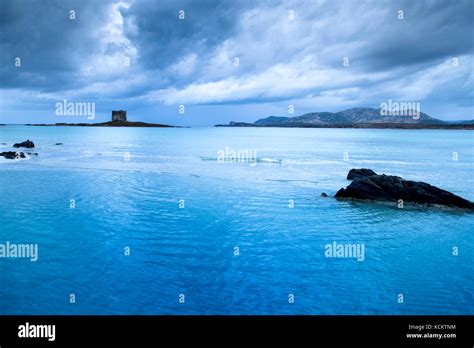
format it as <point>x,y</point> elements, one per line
<point>119,119</point>
<point>362,117</point>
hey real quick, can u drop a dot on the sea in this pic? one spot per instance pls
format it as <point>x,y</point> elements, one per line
<point>231,221</point>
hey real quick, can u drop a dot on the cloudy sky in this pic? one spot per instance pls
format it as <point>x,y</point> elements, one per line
<point>233,60</point>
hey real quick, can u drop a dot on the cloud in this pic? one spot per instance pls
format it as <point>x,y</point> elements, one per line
<point>282,59</point>
<point>243,52</point>
<point>115,52</point>
<point>278,82</point>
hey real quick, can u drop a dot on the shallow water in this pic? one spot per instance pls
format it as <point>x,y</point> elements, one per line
<point>128,185</point>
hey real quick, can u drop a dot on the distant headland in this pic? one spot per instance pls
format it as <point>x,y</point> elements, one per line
<point>357,118</point>
<point>119,119</point>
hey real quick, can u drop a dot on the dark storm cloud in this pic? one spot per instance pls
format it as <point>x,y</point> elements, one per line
<point>162,39</point>
<point>50,45</point>
<point>429,31</point>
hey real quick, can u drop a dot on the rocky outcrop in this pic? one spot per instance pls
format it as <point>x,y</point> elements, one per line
<point>390,188</point>
<point>359,173</point>
<point>12,155</point>
<point>28,144</point>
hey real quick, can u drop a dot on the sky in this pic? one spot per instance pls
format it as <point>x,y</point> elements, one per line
<point>237,60</point>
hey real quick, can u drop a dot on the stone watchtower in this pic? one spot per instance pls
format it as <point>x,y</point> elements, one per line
<point>119,115</point>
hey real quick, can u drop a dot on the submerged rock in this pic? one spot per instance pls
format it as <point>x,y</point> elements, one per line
<point>28,144</point>
<point>324,194</point>
<point>58,144</point>
<point>12,155</point>
<point>390,188</point>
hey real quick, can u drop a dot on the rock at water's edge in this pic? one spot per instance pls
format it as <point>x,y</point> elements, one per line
<point>28,144</point>
<point>12,154</point>
<point>359,173</point>
<point>393,188</point>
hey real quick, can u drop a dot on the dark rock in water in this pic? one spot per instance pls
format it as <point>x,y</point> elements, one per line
<point>359,173</point>
<point>58,144</point>
<point>390,188</point>
<point>324,194</point>
<point>28,144</point>
<point>12,155</point>
<point>32,153</point>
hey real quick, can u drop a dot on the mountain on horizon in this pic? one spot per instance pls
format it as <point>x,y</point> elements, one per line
<point>347,117</point>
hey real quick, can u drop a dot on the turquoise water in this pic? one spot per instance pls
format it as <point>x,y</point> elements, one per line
<point>182,213</point>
